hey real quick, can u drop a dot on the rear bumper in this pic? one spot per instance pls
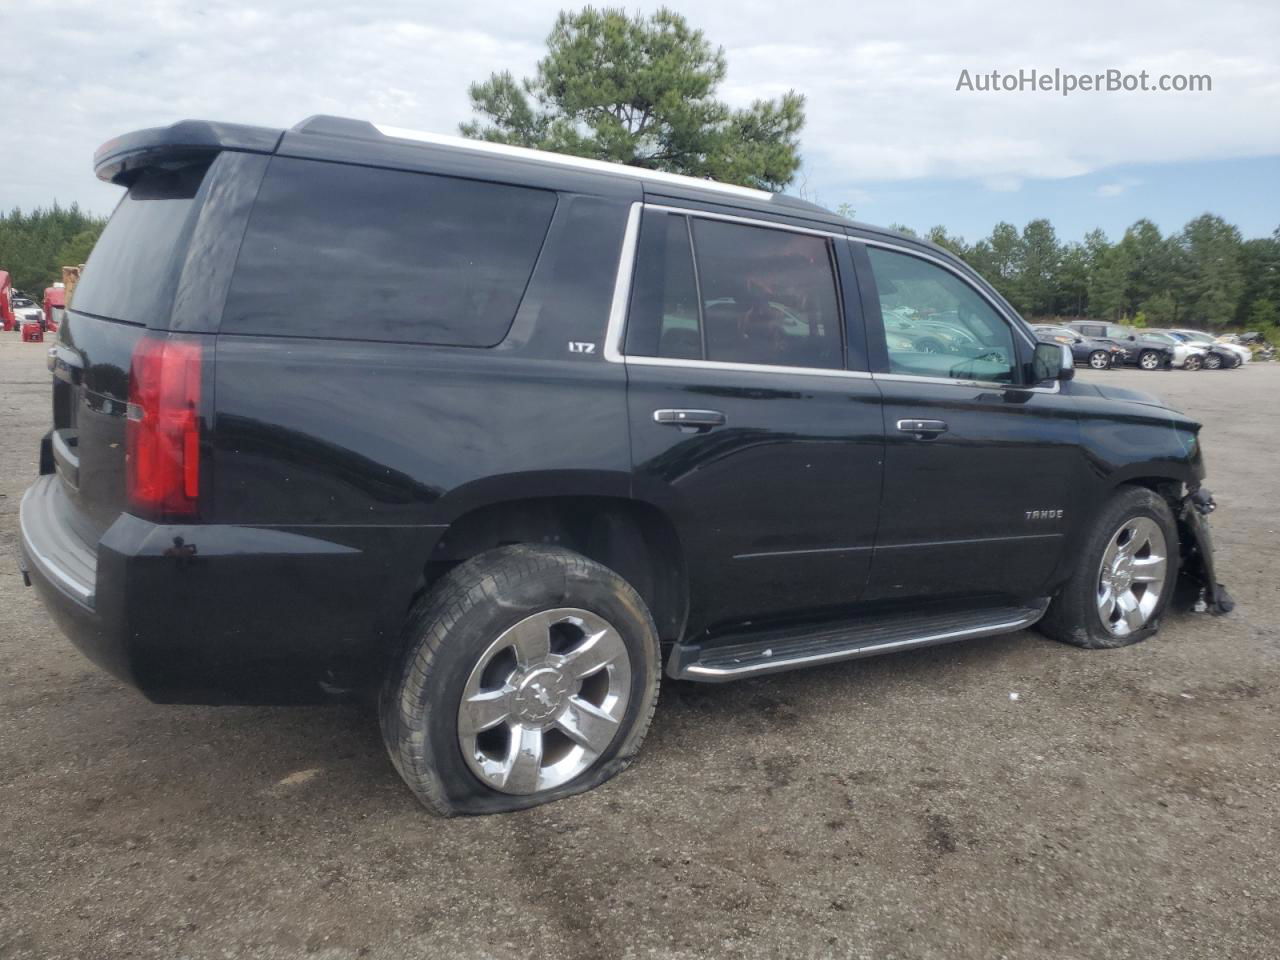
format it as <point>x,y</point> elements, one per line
<point>222,613</point>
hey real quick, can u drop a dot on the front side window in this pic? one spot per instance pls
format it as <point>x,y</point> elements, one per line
<point>713,290</point>
<point>936,325</point>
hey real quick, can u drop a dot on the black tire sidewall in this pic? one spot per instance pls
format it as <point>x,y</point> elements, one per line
<point>1103,355</point>
<point>536,579</point>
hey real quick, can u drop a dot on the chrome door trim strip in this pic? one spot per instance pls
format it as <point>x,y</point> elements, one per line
<point>799,553</point>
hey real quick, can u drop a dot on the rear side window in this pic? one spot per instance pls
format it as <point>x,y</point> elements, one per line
<point>358,253</point>
<point>713,290</point>
<point>132,273</point>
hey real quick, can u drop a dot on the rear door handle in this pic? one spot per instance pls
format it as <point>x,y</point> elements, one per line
<point>690,419</point>
<point>923,429</point>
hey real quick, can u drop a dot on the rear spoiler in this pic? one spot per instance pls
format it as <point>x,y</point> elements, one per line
<point>119,159</point>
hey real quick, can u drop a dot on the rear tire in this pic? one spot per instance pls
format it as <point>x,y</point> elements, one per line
<point>487,709</point>
<point>1111,599</point>
<point>1213,362</point>
<point>1193,362</point>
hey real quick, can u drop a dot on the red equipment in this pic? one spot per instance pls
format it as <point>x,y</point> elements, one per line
<point>32,333</point>
<point>55,301</point>
<point>7,321</point>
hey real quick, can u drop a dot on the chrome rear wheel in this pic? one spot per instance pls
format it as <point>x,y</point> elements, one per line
<point>544,701</point>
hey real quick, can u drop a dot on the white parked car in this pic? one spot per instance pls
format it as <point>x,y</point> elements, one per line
<point>26,310</point>
<point>1207,340</point>
<point>1186,356</point>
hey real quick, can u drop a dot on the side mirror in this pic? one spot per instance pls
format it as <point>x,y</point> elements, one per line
<point>1052,361</point>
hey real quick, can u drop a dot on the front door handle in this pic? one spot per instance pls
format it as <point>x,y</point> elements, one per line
<point>698,420</point>
<point>923,429</point>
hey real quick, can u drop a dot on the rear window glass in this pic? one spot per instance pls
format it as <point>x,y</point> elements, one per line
<point>131,273</point>
<point>359,253</point>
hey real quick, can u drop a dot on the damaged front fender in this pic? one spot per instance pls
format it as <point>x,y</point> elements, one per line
<point>1197,552</point>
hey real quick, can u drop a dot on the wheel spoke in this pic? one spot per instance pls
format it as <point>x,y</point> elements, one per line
<point>1130,612</point>
<point>587,725</point>
<point>524,760</point>
<point>595,651</point>
<point>482,711</point>
<point>1149,569</point>
<point>531,641</point>
<point>1107,603</point>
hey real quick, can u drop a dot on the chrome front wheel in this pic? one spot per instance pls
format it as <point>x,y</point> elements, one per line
<point>1099,360</point>
<point>1131,576</point>
<point>1149,360</point>
<point>544,700</point>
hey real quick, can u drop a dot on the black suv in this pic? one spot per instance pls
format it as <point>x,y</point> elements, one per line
<point>594,423</point>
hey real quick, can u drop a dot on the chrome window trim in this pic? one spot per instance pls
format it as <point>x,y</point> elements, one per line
<point>748,367</point>
<point>616,329</point>
<point>748,221</point>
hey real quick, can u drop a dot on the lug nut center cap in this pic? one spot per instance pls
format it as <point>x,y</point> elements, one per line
<point>541,694</point>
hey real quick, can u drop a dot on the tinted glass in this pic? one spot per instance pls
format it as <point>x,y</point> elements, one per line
<point>358,253</point>
<point>663,321</point>
<point>936,325</point>
<point>768,296</point>
<point>131,274</point>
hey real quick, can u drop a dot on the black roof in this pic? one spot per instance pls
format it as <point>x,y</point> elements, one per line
<point>360,142</point>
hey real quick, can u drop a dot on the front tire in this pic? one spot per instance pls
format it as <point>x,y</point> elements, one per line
<point>1213,362</point>
<point>1100,360</point>
<point>1193,362</point>
<point>1125,577</point>
<point>529,673</point>
<point>1149,360</point>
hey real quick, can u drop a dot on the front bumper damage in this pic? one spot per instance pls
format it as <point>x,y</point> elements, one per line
<point>1197,553</point>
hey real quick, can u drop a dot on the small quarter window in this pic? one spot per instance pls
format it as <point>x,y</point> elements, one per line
<point>664,298</point>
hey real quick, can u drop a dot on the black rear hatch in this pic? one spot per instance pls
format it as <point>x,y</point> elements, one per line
<point>128,286</point>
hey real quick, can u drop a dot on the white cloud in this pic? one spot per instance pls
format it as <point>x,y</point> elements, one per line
<point>879,76</point>
<point>1116,188</point>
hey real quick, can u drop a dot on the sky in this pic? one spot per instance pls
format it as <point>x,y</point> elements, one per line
<point>888,131</point>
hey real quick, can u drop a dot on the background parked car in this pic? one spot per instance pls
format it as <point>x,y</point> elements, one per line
<point>1098,354</point>
<point>1139,351</point>
<point>1228,354</point>
<point>1186,355</point>
<point>26,310</point>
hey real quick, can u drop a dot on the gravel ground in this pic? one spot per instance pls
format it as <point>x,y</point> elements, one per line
<point>1125,804</point>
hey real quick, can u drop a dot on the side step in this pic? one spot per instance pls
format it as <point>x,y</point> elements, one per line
<point>787,648</point>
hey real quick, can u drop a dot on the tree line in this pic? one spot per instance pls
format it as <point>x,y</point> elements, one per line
<point>1205,275</point>
<point>35,246</point>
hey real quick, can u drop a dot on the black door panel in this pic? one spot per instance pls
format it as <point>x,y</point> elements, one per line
<point>777,507</point>
<point>974,508</point>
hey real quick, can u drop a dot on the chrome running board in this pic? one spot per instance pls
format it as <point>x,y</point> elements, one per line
<point>790,648</point>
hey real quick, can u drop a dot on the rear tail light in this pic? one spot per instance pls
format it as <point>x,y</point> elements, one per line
<point>162,438</point>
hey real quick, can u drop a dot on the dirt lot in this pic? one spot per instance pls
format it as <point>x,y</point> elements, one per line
<point>1125,804</point>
